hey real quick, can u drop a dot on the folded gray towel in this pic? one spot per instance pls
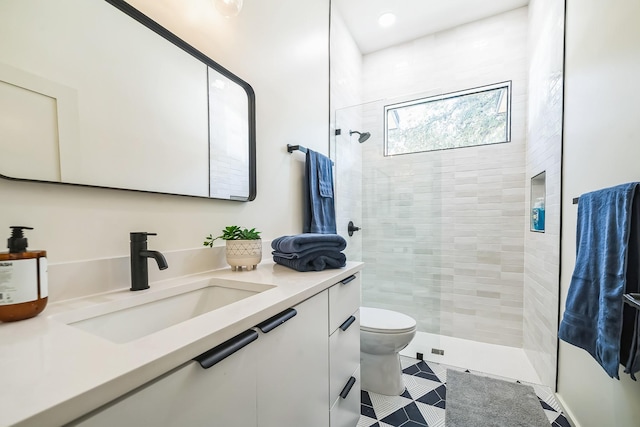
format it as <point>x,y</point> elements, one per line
<point>296,255</point>
<point>301,243</point>
<point>314,261</point>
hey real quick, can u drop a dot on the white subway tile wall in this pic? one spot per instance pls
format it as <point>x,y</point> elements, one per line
<point>544,149</point>
<point>443,231</point>
<point>446,234</point>
<point>230,176</point>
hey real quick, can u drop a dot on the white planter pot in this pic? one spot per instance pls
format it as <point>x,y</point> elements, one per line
<point>244,253</point>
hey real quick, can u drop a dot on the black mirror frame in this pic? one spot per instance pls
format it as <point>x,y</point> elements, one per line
<point>177,41</point>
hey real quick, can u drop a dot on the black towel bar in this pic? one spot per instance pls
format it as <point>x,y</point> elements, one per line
<point>633,300</point>
<point>575,200</point>
<point>292,148</point>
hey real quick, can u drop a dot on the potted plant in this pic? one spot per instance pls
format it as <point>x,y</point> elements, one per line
<point>243,246</point>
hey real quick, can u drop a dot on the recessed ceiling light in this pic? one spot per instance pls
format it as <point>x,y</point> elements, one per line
<point>228,8</point>
<point>387,19</point>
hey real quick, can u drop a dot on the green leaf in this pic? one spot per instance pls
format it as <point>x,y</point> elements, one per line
<point>233,232</point>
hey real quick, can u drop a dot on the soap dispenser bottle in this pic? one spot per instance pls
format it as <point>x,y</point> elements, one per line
<point>537,214</point>
<point>23,279</point>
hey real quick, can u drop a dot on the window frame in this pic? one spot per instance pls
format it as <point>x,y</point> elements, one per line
<point>505,84</point>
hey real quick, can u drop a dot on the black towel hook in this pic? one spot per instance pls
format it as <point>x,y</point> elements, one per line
<point>351,228</point>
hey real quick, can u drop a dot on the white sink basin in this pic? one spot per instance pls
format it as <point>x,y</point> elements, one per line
<point>128,319</point>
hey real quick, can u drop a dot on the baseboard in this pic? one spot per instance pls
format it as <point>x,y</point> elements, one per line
<point>567,412</point>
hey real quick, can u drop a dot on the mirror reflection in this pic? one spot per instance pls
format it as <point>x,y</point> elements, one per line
<point>89,95</point>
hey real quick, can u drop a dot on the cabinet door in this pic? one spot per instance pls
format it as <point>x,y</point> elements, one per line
<point>293,367</point>
<point>222,395</point>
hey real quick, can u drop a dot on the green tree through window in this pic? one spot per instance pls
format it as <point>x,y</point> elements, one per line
<point>462,119</point>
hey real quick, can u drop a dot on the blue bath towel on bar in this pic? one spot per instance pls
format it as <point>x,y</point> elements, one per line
<point>593,318</point>
<point>314,261</point>
<point>307,242</point>
<point>319,208</point>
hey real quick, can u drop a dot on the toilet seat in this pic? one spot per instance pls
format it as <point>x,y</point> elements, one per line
<point>381,321</point>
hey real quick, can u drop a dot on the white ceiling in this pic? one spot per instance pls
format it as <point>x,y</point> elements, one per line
<point>415,18</point>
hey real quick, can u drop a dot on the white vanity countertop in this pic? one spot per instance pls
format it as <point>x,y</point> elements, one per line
<point>52,373</point>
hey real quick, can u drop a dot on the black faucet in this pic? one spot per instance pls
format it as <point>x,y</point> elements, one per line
<point>139,255</point>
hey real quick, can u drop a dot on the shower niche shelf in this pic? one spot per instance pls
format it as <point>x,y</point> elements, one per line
<point>538,199</point>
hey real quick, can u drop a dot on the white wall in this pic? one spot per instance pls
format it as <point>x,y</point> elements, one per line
<point>286,62</point>
<point>601,149</point>
<point>346,66</point>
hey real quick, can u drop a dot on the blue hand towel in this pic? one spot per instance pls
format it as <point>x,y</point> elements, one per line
<point>594,307</point>
<point>314,261</point>
<point>307,242</point>
<point>319,208</point>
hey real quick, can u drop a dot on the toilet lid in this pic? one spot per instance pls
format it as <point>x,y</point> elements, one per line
<point>385,321</point>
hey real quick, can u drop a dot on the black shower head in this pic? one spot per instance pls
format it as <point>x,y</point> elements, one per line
<point>363,135</point>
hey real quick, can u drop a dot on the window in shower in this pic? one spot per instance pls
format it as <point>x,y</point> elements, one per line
<point>466,118</point>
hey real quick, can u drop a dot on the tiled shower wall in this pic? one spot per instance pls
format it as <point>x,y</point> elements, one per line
<point>443,231</point>
<point>542,250</point>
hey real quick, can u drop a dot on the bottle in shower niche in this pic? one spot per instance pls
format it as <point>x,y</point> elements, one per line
<point>23,279</point>
<point>537,214</point>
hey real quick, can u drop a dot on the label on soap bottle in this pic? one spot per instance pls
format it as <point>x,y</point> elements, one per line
<point>44,281</point>
<point>19,280</point>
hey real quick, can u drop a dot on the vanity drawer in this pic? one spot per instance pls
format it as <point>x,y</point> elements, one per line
<point>344,348</point>
<point>345,412</point>
<point>344,299</point>
<point>220,385</point>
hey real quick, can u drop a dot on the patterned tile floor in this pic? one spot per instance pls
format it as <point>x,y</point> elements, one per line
<point>423,402</point>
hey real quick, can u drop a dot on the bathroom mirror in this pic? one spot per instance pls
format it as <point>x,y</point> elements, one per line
<point>93,96</point>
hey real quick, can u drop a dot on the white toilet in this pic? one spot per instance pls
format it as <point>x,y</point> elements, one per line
<point>383,333</point>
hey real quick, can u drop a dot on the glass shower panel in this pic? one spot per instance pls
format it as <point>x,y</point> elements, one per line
<point>348,170</point>
<point>398,205</point>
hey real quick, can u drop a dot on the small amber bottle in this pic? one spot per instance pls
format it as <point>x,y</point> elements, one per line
<point>23,279</point>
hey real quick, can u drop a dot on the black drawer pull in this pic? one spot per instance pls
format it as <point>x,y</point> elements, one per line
<point>347,323</point>
<point>348,279</point>
<point>347,388</point>
<point>226,349</point>
<point>277,320</point>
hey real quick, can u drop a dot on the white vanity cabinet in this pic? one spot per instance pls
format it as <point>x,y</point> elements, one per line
<point>344,352</point>
<point>298,368</point>
<point>224,394</point>
<point>292,367</point>
<point>316,351</point>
